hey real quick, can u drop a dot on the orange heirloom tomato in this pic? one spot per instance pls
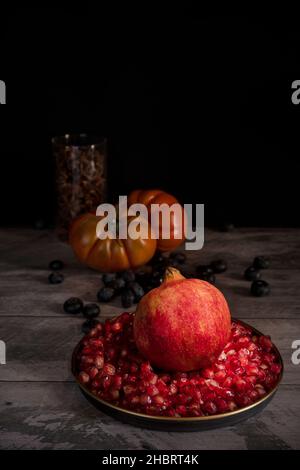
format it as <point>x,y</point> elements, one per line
<point>177,220</point>
<point>108,255</point>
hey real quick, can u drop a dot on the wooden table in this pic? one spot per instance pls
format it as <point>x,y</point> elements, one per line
<point>41,406</point>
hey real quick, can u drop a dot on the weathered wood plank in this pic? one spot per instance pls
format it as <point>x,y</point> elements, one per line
<point>56,416</point>
<point>40,348</point>
<point>24,288</point>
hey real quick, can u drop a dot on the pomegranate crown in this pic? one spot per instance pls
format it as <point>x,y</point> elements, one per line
<point>172,274</point>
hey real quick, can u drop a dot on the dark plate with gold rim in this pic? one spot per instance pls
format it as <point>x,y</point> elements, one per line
<point>164,423</point>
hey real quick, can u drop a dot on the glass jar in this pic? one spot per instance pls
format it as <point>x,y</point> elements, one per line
<point>80,177</point>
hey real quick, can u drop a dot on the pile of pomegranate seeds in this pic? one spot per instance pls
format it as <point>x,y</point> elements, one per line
<point>110,366</point>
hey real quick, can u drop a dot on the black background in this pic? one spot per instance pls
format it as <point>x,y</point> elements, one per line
<point>198,105</point>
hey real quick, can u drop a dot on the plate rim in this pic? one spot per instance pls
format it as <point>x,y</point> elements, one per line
<point>187,419</point>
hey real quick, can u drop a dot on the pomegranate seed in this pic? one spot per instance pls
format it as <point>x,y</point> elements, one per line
<point>87,359</point>
<point>252,370</point>
<point>117,382</point>
<point>165,378</point>
<point>99,362</point>
<point>171,412</point>
<point>265,342</point>
<point>152,390</point>
<point>162,388</point>
<point>181,410</point>
<point>276,368</point>
<point>114,394</point>
<point>158,400</point>
<point>152,379</point>
<point>227,382</point>
<point>221,405</point>
<point>84,377</point>
<point>128,389</point>
<point>111,353</point>
<point>124,352</point>
<point>172,389</point>
<point>145,399</point>
<point>105,382</point>
<point>239,384</point>
<point>109,369</point>
<point>93,372</point>
<point>96,343</point>
<point>116,327</point>
<point>135,400</point>
<point>232,405</point>
<point>260,390</point>
<point>146,368</point>
<point>210,407</point>
<point>208,373</point>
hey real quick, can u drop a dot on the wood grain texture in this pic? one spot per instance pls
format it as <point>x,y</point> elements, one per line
<point>40,405</point>
<point>41,348</point>
<point>56,416</point>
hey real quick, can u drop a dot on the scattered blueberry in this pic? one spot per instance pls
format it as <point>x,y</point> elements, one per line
<point>137,290</point>
<point>157,278</point>
<point>108,277</point>
<point>261,262</point>
<point>88,325</point>
<point>218,266</point>
<point>56,278</point>
<point>260,288</point>
<point>91,311</point>
<point>203,269</point>
<point>105,294</point>
<point>117,284</point>
<point>158,258</point>
<point>127,298</point>
<point>73,305</point>
<point>252,274</point>
<point>128,275</point>
<point>56,265</point>
<point>208,277</point>
<point>179,256</point>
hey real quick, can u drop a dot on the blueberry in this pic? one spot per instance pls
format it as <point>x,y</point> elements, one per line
<point>88,325</point>
<point>261,262</point>
<point>157,278</point>
<point>179,256</point>
<point>91,311</point>
<point>56,278</point>
<point>117,284</point>
<point>56,265</point>
<point>137,290</point>
<point>252,274</point>
<point>158,258</point>
<point>108,277</point>
<point>105,294</point>
<point>128,275</point>
<point>203,269</point>
<point>260,288</point>
<point>208,277</point>
<point>127,298</point>
<point>218,266</point>
<point>73,305</point>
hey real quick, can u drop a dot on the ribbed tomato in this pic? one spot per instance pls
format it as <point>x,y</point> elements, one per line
<point>157,196</point>
<point>108,255</point>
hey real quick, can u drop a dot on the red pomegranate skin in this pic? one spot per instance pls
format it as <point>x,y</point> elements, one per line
<point>182,325</point>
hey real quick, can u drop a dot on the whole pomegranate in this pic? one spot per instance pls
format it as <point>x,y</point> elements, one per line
<point>182,325</point>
